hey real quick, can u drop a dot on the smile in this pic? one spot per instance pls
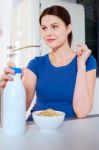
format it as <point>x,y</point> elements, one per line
<point>50,40</point>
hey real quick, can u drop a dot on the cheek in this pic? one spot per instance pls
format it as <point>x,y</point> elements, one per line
<point>62,35</point>
<point>62,31</point>
<point>43,36</point>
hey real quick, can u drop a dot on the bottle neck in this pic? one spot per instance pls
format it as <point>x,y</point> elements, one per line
<point>17,76</point>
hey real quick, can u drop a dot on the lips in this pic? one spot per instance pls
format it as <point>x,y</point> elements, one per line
<point>50,40</point>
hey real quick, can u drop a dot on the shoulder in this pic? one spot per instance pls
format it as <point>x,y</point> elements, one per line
<point>91,63</point>
<point>38,59</point>
<point>36,63</point>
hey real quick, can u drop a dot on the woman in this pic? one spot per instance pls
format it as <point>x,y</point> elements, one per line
<point>63,79</point>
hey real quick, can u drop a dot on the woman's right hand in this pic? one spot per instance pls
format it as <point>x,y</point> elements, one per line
<point>6,76</point>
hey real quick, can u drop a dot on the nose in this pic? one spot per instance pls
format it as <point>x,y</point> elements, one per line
<point>48,32</point>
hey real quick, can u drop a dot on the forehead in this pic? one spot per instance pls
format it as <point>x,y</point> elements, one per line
<point>50,19</point>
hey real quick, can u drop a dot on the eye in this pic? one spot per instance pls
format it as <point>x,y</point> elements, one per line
<point>54,26</point>
<point>43,28</point>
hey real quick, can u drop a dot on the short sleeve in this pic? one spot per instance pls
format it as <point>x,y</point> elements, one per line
<point>33,66</point>
<point>91,63</point>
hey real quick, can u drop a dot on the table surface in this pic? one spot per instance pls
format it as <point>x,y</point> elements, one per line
<point>78,134</point>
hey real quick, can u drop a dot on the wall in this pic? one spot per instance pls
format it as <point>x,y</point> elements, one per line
<point>5,11</point>
<point>15,2</point>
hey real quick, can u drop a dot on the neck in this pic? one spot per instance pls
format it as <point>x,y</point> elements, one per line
<point>63,52</point>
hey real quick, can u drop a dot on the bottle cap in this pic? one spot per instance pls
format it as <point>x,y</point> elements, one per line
<point>17,70</point>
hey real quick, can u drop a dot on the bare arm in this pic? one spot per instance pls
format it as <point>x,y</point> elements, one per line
<point>29,81</point>
<point>84,92</point>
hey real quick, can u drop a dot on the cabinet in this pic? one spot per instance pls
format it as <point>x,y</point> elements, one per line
<point>92,27</point>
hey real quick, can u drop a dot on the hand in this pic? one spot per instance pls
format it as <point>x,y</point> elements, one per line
<point>2,84</point>
<point>83,53</point>
<point>5,77</point>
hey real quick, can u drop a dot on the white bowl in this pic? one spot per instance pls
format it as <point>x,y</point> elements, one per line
<point>48,123</point>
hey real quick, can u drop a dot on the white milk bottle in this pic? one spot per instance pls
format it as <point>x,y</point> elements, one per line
<point>14,106</point>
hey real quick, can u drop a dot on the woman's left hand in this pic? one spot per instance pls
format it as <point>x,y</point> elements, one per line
<point>83,53</point>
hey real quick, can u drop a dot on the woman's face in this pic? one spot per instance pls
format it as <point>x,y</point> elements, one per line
<point>54,31</point>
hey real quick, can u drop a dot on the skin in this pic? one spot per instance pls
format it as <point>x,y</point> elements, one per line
<point>2,84</point>
<point>55,34</point>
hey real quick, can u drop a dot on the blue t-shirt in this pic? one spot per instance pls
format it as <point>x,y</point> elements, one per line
<point>55,85</point>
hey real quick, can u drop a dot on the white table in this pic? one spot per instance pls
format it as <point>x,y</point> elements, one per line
<point>79,134</point>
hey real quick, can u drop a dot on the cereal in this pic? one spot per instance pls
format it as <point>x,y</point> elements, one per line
<point>49,112</point>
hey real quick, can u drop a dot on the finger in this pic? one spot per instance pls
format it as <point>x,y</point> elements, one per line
<point>89,51</point>
<point>80,52</point>
<point>10,64</point>
<point>79,48</point>
<point>82,46</point>
<point>2,84</point>
<point>6,77</point>
<point>9,71</point>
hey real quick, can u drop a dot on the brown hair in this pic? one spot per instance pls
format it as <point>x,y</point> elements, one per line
<point>60,12</point>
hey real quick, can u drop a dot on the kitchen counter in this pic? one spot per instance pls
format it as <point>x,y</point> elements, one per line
<point>77,134</point>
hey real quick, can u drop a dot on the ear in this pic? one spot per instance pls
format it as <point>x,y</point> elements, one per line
<point>69,29</point>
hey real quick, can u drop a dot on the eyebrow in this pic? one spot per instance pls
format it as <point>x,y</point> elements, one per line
<point>51,24</point>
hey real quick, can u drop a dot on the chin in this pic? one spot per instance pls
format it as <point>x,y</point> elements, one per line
<point>53,46</point>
